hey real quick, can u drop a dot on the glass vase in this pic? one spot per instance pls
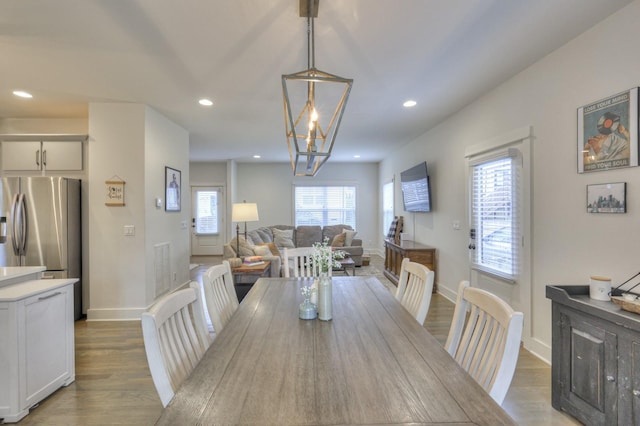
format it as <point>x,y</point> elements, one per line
<point>307,310</point>
<point>325,303</point>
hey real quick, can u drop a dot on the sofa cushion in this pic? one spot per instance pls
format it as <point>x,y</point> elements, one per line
<point>255,237</point>
<point>306,236</point>
<point>265,234</point>
<point>283,238</point>
<point>349,235</point>
<point>338,240</point>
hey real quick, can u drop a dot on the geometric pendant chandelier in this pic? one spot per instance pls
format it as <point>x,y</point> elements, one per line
<point>314,102</point>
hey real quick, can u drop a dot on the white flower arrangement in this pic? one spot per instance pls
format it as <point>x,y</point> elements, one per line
<point>325,256</point>
<point>307,291</point>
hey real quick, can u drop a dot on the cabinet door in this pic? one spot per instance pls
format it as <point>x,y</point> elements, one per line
<point>62,155</point>
<point>589,364</point>
<point>21,155</point>
<point>48,326</point>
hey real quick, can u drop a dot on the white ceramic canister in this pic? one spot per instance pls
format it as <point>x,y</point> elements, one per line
<point>600,288</point>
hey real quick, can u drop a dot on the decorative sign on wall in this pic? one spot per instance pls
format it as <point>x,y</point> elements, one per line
<point>114,196</point>
<point>608,133</point>
<point>607,198</point>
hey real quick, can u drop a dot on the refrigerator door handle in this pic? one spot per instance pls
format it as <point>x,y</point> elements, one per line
<point>14,227</point>
<point>22,225</point>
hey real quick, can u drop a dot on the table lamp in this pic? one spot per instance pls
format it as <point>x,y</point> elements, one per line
<point>243,212</point>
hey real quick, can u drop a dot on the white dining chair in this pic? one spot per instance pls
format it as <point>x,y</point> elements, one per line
<point>415,286</point>
<point>297,263</point>
<point>486,344</point>
<point>175,339</point>
<point>220,295</point>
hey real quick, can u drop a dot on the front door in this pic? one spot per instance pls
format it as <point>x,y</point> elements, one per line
<point>207,222</point>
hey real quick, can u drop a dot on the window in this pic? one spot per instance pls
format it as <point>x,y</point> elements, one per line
<point>495,218</point>
<point>325,205</point>
<point>206,212</point>
<point>387,207</point>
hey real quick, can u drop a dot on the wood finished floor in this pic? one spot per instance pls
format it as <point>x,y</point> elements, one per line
<point>113,384</point>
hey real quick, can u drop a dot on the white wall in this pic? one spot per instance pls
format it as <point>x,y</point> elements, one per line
<point>568,244</point>
<point>271,187</point>
<point>134,143</point>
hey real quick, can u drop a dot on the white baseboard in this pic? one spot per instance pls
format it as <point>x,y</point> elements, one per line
<point>125,314</point>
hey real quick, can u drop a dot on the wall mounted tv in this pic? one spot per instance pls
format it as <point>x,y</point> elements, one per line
<point>416,194</point>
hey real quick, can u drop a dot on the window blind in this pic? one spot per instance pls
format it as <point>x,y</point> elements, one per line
<point>325,205</point>
<point>495,215</point>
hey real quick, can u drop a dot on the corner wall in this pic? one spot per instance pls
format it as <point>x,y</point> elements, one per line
<point>134,143</point>
<point>568,244</point>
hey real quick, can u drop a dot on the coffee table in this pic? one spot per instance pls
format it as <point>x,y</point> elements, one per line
<point>244,277</point>
<point>346,264</point>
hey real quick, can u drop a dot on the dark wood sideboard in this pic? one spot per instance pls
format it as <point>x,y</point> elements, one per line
<point>416,252</point>
<point>595,358</point>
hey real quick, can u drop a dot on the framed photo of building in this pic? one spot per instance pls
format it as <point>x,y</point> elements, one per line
<point>608,133</point>
<point>607,198</point>
<point>172,189</point>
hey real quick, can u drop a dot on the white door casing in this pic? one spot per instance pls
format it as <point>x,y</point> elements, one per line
<point>515,292</point>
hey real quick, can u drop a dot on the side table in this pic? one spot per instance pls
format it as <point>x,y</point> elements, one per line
<point>244,277</point>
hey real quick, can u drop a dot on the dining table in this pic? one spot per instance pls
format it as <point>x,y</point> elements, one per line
<point>372,363</point>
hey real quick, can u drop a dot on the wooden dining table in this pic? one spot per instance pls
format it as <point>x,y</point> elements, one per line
<point>371,364</point>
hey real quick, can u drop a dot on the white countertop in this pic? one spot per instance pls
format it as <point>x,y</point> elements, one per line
<point>20,291</point>
<point>9,272</point>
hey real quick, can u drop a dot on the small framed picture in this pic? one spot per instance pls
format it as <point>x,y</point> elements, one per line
<point>608,133</point>
<point>607,198</point>
<point>172,189</point>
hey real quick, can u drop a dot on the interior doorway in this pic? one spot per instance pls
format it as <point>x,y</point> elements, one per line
<point>207,220</point>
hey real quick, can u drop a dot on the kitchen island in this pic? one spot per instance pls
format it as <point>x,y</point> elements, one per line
<point>36,328</point>
<point>16,274</point>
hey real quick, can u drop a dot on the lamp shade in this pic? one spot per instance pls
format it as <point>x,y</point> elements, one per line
<point>244,212</point>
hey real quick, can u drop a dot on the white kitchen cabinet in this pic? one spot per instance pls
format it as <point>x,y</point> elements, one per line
<point>37,335</point>
<point>41,155</point>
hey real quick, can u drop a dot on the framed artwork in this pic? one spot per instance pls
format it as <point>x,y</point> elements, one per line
<point>172,189</point>
<point>607,198</point>
<point>114,196</point>
<point>608,133</point>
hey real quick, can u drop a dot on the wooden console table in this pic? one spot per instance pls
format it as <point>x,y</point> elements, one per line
<point>395,253</point>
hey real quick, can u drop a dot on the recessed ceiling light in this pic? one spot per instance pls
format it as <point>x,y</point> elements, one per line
<point>205,102</point>
<point>356,156</point>
<point>256,156</point>
<point>23,94</point>
<point>409,104</point>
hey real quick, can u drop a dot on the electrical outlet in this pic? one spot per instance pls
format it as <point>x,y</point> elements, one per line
<point>456,225</point>
<point>129,230</point>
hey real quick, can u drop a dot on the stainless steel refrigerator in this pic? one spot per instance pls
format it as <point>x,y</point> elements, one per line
<point>43,227</point>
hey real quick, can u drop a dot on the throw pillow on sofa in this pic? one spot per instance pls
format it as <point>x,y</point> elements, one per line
<point>283,238</point>
<point>246,248</point>
<point>262,250</point>
<point>338,240</point>
<point>273,248</point>
<point>349,236</point>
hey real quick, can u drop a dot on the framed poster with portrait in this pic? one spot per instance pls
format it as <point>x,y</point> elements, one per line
<point>172,189</point>
<point>608,133</point>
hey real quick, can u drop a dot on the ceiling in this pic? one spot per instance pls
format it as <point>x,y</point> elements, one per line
<point>168,54</point>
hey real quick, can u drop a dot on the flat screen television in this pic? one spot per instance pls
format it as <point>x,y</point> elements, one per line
<point>416,194</point>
